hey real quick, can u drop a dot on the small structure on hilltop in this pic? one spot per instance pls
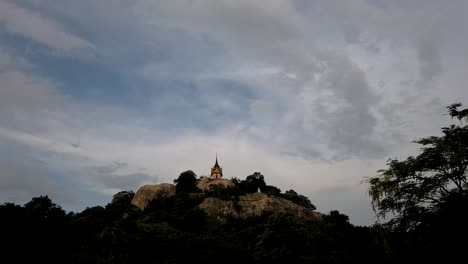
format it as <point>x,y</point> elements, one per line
<point>216,171</point>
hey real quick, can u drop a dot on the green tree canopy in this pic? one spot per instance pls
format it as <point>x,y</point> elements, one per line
<point>123,197</point>
<point>299,199</point>
<point>254,182</point>
<point>186,182</point>
<point>416,189</point>
<point>42,207</point>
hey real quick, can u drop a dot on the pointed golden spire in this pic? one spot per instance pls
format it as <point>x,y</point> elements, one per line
<point>216,171</point>
<point>216,164</point>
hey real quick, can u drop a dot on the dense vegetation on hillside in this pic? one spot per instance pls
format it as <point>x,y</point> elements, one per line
<point>426,197</point>
<point>170,230</point>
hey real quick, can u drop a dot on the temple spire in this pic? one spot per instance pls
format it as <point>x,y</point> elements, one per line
<point>216,171</point>
<point>216,164</point>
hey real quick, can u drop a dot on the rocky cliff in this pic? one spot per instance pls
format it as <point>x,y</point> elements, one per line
<point>148,193</point>
<point>205,183</point>
<point>255,204</point>
<point>245,206</point>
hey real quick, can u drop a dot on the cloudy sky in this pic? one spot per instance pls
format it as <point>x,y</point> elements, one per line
<point>102,96</point>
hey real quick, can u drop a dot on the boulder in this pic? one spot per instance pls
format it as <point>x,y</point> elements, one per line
<point>148,193</point>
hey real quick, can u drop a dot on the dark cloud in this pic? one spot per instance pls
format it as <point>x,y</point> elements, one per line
<point>19,183</point>
<point>335,120</point>
<point>109,169</point>
<point>350,127</point>
<point>131,181</point>
<point>350,200</point>
<point>109,177</point>
<point>431,65</point>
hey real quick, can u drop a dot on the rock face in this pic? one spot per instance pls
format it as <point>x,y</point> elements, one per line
<point>205,183</point>
<point>149,192</point>
<point>250,205</point>
<point>255,204</point>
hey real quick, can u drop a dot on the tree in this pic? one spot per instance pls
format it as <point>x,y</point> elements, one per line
<point>186,182</point>
<point>123,197</point>
<point>43,208</point>
<point>269,189</point>
<point>299,199</point>
<point>282,241</point>
<point>254,182</point>
<point>419,188</point>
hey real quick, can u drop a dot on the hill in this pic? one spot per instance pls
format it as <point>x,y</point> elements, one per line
<point>237,206</point>
<point>191,221</point>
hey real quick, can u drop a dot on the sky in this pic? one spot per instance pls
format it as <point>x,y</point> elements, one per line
<point>102,96</point>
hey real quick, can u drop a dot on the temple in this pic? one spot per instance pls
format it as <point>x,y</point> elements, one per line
<point>216,171</point>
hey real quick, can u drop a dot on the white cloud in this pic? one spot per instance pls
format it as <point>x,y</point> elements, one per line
<point>22,91</point>
<point>425,26</point>
<point>262,20</point>
<point>151,162</point>
<point>260,32</point>
<point>33,25</point>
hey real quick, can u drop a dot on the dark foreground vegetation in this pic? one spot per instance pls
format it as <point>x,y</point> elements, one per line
<point>426,197</point>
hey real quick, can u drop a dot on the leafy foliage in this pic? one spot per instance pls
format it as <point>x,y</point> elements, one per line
<point>253,183</point>
<point>186,182</point>
<point>123,197</point>
<point>299,199</point>
<point>417,188</point>
<point>427,196</point>
<point>269,189</point>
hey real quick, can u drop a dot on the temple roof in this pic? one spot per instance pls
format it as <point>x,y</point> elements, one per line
<point>216,164</point>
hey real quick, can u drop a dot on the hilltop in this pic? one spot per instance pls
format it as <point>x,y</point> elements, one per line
<point>225,198</point>
<point>194,220</point>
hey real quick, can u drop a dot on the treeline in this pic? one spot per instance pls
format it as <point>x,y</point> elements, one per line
<point>171,230</point>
